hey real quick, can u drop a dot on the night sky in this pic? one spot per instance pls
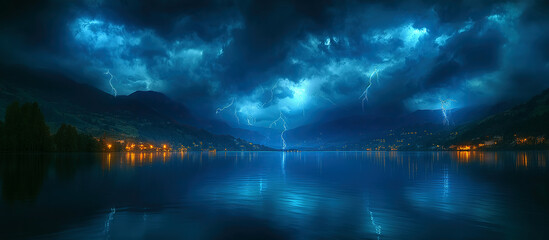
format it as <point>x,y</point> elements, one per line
<point>309,60</point>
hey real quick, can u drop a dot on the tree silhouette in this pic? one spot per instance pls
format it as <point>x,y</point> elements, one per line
<point>2,142</point>
<point>66,139</point>
<point>25,129</point>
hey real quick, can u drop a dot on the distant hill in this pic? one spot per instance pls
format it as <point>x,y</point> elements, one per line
<point>530,119</point>
<point>153,116</point>
<point>177,112</point>
<point>161,105</point>
<point>525,126</point>
<point>363,128</point>
<point>148,116</point>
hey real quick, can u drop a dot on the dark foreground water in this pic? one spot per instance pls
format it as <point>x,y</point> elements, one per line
<point>274,195</point>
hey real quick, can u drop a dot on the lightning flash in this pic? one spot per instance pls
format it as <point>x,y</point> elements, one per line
<point>327,99</point>
<point>275,122</point>
<point>218,110</point>
<point>251,120</point>
<point>444,106</point>
<point>110,82</point>
<point>272,95</point>
<point>364,95</point>
<point>236,116</point>
<point>221,109</point>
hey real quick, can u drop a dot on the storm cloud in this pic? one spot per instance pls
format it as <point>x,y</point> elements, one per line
<point>301,58</point>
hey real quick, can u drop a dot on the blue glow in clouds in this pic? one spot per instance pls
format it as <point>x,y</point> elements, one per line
<point>299,95</point>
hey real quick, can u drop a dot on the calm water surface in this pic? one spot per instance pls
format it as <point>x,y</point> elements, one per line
<point>274,195</point>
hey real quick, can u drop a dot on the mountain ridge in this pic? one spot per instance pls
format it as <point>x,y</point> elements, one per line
<point>527,120</point>
<point>150,116</point>
<point>369,126</point>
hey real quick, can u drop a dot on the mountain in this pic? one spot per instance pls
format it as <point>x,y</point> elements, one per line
<point>363,128</point>
<point>153,116</point>
<point>247,133</point>
<point>149,116</point>
<point>526,124</point>
<point>177,112</point>
<point>162,106</point>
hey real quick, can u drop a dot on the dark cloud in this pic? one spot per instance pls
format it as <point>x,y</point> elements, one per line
<point>462,10</point>
<point>319,55</point>
<point>537,12</point>
<point>270,30</point>
<point>38,25</point>
<point>467,55</point>
<point>171,18</point>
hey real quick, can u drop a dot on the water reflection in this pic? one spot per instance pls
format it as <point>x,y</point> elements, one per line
<point>276,195</point>
<point>23,176</point>
<point>110,217</point>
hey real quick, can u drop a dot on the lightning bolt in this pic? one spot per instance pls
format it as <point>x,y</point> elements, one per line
<point>275,122</point>
<point>328,99</point>
<point>272,94</point>
<point>236,116</point>
<point>364,95</point>
<point>221,109</point>
<point>444,105</point>
<point>218,110</point>
<point>250,119</point>
<point>110,82</point>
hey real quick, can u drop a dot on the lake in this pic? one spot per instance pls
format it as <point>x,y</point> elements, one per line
<point>276,195</point>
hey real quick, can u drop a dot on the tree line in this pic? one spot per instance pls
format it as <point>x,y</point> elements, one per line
<point>24,130</point>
